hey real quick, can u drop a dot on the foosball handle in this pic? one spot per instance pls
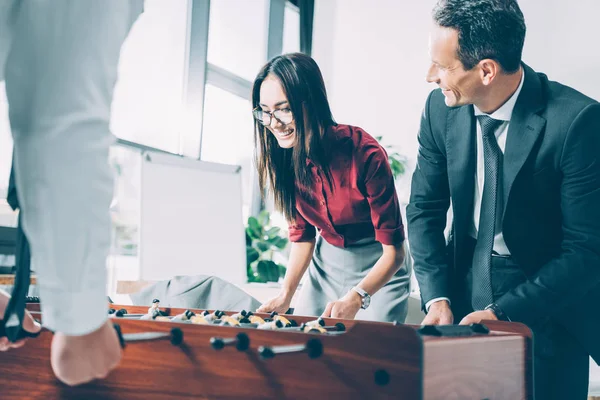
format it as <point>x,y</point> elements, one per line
<point>313,347</point>
<point>453,330</point>
<point>120,335</point>
<point>241,342</point>
<point>23,334</point>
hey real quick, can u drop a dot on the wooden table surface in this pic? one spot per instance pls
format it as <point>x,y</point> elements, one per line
<point>9,279</point>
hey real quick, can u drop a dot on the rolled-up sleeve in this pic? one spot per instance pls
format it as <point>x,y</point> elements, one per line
<point>382,198</point>
<point>301,230</point>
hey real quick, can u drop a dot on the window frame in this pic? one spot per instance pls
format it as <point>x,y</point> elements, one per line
<point>199,72</point>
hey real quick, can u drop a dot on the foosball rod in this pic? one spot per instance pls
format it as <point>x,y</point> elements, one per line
<point>313,347</point>
<point>175,336</point>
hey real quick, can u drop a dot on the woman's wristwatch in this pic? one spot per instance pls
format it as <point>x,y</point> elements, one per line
<point>365,297</point>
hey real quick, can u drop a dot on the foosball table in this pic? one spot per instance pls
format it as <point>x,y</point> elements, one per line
<point>172,353</point>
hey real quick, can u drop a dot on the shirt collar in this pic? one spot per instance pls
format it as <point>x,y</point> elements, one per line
<point>504,112</point>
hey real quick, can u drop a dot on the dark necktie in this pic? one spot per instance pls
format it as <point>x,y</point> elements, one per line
<point>490,213</point>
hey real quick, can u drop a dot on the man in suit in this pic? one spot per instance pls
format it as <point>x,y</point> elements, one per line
<point>517,156</point>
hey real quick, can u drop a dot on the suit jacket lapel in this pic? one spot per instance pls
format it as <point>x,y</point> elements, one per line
<point>460,153</point>
<point>524,129</point>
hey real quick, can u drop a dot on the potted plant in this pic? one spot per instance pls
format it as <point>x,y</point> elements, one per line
<point>262,242</point>
<point>397,161</point>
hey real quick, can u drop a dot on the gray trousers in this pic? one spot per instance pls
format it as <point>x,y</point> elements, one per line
<point>335,270</point>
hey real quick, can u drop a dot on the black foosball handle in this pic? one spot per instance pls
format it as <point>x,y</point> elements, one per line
<point>241,342</point>
<point>119,335</point>
<point>23,334</point>
<point>453,330</point>
<point>313,347</point>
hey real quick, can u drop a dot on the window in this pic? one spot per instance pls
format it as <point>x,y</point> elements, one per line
<point>228,135</point>
<point>237,38</point>
<point>183,55</point>
<point>125,207</point>
<point>148,102</point>
<point>291,29</point>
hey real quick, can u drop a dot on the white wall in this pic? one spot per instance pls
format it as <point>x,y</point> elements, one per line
<point>374,57</point>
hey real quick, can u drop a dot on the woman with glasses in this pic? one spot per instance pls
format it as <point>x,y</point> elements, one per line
<point>334,179</point>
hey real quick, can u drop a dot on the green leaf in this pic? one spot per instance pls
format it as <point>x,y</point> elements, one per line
<point>263,246</point>
<point>273,232</point>
<point>268,270</point>
<point>397,167</point>
<point>264,218</point>
<point>256,230</point>
<point>281,243</point>
<point>378,138</point>
<point>252,274</point>
<point>251,255</point>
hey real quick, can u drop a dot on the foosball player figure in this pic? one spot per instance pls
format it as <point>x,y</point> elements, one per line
<point>214,316</point>
<point>227,320</point>
<point>154,306</point>
<point>239,316</point>
<point>286,322</point>
<point>199,320</point>
<point>314,328</point>
<point>254,319</point>
<point>151,315</point>
<point>272,325</point>
<point>184,317</point>
<point>319,321</point>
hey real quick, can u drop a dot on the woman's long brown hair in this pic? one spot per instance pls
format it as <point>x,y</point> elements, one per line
<point>286,169</point>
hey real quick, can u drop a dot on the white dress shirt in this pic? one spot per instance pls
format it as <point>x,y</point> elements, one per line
<point>504,113</point>
<point>61,59</point>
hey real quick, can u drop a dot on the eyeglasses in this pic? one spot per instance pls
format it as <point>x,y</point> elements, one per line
<point>283,115</point>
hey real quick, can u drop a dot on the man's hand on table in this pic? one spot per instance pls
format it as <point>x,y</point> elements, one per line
<point>439,313</point>
<point>477,316</point>
<point>80,359</point>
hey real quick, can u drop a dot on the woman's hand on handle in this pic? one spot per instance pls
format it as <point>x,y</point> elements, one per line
<point>280,304</point>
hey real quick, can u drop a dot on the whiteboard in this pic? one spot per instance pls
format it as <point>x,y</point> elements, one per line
<point>190,219</point>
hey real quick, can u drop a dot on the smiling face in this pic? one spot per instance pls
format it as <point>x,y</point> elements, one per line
<point>459,86</point>
<point>273,100</point>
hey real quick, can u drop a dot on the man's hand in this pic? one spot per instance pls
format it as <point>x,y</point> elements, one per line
<point>345,308</point>
<point>280,304</point>
<point>80,359</point>
<point>29,324</point>
<point>477,316</point>
<point>439,313</point>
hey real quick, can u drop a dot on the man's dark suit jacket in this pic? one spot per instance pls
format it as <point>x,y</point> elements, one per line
<point>551,218</point>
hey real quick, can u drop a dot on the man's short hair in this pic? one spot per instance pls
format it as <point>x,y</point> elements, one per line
<point>493,29</point>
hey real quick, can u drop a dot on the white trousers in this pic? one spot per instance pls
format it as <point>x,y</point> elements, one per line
<point>59,59</point>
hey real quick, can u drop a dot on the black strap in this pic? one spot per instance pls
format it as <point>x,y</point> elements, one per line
<point>21,334</point>
<point>11,325</point>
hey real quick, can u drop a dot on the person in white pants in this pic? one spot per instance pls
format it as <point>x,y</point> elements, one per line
<point>59,59</point>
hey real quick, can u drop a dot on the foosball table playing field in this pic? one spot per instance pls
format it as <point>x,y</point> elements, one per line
<point>172,353</point>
